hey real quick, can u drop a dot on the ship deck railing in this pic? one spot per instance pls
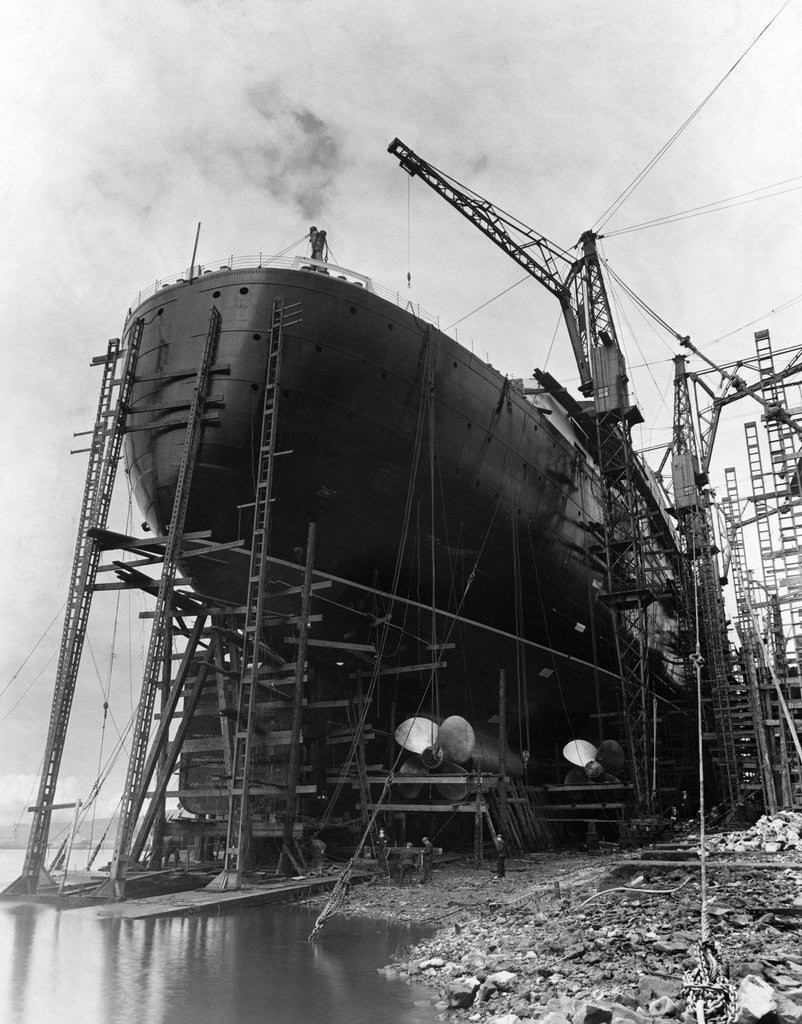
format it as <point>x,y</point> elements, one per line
<point>260,261</point>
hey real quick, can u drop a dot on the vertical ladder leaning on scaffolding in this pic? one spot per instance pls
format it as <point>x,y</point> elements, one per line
<point>238,830</point>
<point>784,444</point>
<point>781,564</point>
<point>135,783</point>
<point>104,454</point>
<point>749,720</point>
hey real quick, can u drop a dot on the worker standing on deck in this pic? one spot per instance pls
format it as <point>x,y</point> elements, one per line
<point>406,862</point>
<point>428,861</point>
<point>501,857</point>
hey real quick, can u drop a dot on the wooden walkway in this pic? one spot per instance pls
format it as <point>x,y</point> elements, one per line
<point>206,901</point>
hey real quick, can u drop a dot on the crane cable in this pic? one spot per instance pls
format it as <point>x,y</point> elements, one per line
<point>706,986</point>
<point>509,288</point>
<point>641,304</point>
<point>32,650</point>
<point>701,211</point>
<point>616,205</point>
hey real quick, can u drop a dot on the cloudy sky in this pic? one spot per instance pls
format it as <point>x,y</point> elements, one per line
<point>126,124</point>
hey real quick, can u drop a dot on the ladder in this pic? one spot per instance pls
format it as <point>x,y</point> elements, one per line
<point>134,790</point>
<point>775,649</point>
<point>784,458</point>
<point>104,454</point>
<point>760,498</point>
<point>254,651</point>
<point>749,724</point>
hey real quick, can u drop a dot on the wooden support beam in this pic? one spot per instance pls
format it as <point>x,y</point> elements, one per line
<point>135,563</point>
<point>292,591</point>
<point>338,645</point>
<point>600,806</point>
<point>601,787</point>
<point>174,406</point>
<point>178,421</point>
<point>433,808</point>
<point>429,666</point>
<point>108,540</point>
<point>348,737</point>
<point>218,368</point>
<point>205,551</point>
<point>266,790</point>
<point>127,585</point>
<point>292,620</point>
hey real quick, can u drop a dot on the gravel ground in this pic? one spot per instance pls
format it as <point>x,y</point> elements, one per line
<point>524,948</point>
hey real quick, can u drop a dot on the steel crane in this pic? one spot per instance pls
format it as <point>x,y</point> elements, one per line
<point>629,509</point>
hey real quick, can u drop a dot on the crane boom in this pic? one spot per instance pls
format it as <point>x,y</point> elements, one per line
<point>547,263</point>
<point>628,508</point>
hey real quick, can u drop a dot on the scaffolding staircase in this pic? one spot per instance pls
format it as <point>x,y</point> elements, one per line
<point>135,782</point>
<point>104,455</point>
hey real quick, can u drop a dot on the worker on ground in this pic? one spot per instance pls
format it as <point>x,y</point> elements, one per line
<point>381,850</point>
<point>317,849</point>
<point>501,857</point>
<point>687,808</point>
<point>406,863</point>
<point>428,861</point>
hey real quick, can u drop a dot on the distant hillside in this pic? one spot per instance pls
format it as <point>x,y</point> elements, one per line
<point>17,838</point>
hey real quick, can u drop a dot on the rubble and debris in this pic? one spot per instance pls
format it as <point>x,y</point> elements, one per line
<point>772,833</point>
<point>496,957</point>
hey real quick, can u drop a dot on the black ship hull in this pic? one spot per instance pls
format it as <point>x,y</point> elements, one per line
<point>428,475</point>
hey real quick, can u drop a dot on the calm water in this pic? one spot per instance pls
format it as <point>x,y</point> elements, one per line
<point>251,965</point>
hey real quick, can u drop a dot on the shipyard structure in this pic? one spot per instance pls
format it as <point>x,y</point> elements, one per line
<point>396,591</point>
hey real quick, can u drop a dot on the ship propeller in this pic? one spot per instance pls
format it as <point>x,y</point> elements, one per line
<point>436,751</point>
<point>452,790</point>
<point>416,734</point>
<point>593,764</point>
<point>412,766</point>
<point>415,765</point>
<point>454,740</point>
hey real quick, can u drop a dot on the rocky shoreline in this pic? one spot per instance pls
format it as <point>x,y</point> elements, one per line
<point>531,947</point>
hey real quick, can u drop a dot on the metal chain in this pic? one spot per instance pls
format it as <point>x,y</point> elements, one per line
<point>708,989</point>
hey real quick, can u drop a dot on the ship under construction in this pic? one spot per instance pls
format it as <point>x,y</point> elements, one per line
<point>389,582</point>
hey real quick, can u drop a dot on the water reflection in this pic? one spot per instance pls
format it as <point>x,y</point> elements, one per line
<point>24,918</point>
<point>244,967</point>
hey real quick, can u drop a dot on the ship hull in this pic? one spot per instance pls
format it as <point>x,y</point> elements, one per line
<point>427,473</point>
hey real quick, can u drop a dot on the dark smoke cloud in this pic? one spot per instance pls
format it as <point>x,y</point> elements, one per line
<point>268,144</point>
<point>305,165</point>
